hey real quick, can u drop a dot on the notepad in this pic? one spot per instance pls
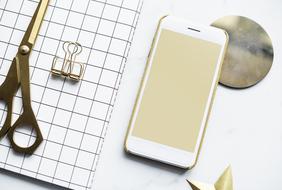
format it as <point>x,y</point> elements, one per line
<point>73,116</point>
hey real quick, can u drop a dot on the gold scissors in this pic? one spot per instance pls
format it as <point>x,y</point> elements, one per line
<point>18,76</point>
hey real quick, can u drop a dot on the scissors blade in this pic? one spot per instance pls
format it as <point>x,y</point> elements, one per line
<point>35,23</point>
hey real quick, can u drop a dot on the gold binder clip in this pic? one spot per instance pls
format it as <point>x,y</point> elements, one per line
<point>68,66</point>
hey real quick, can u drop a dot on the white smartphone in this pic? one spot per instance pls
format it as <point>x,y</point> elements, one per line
<point>175,97</point>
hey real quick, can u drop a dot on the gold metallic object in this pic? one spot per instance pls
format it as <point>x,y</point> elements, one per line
<point>18,76</point>
<point>249,54</point>
<point>24,49</point>
<point>224,182</point>
<point>38,21</point>
<point>68,66</point>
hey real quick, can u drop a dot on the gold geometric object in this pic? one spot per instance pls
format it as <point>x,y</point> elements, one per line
<point>249,54</point>
<point>224,182</point>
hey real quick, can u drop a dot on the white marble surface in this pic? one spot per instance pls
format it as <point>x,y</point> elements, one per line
<point>245,127</point>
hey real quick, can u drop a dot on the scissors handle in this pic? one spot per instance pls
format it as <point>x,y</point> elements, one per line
<point>7,91</point>
<point>26,119</point>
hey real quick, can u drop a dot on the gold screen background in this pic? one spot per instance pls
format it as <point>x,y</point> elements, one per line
<point>177,90</point>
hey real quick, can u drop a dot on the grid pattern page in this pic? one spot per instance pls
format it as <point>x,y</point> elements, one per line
<point>72,116</point>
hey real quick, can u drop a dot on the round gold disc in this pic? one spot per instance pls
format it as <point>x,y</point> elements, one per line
<point>249,54</point>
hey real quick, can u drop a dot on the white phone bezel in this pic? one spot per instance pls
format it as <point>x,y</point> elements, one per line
<point>160,152</point>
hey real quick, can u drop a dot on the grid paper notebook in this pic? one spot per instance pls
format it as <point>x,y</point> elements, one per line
<point>72,116</point>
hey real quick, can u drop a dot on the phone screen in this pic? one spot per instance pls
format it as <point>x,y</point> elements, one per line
<point>177,89</point>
